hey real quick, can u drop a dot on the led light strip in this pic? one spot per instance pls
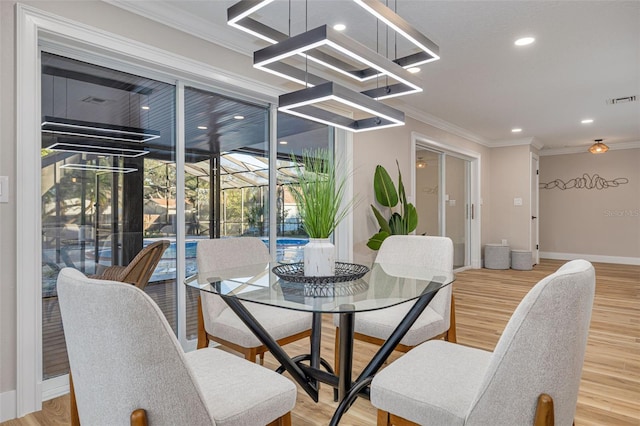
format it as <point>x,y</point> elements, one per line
<point>97,168</point>
<point>63,126</point>
<point>300,103</point>
<point>324,36</point>
<point>97,150</point>
<point>430,49</point>
<point>238,17</point>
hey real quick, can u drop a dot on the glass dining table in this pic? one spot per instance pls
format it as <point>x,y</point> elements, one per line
<point>383,286</point>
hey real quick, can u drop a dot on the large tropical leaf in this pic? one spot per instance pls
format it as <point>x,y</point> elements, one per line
<point>382,222</point>
<point>375,242</point>
<point>383,188</point>
<point>411,218</point>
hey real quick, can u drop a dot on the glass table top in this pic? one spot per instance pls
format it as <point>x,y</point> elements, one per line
<point>385,285</point>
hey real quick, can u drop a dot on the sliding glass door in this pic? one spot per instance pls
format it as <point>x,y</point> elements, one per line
<point>112,181</point>
<point>443,199</point>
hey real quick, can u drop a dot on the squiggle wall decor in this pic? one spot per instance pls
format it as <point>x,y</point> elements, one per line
<point>585,182</point>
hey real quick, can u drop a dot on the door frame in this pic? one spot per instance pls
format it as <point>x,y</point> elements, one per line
<point>534,227</point>
<point>475,160</point>
<point>33,28</point>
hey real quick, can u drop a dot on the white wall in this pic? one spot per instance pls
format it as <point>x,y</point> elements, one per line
<point>509,174</point>
<point>603,224</point>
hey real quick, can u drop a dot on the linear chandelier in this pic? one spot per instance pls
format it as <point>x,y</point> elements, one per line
<point>324,36</point>
<point>65,126</point>
<point>238,16</point>
<point>97,150</point>
<point>97,168</point>
<point>302,103</point>
<point>339,53</point>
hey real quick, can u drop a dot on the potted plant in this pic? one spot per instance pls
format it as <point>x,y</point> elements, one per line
<point>401,221</point>
<point>318,193</point>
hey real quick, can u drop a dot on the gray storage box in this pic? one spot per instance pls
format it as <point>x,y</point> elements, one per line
<point>521,260</point>
<point>496,256</point>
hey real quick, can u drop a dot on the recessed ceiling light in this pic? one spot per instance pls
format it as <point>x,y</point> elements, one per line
<point>239,117</point>
<point>339,27</point>
<point>516,130</point>
<point>145,107</point>
<point>413,70</point>
<point>202,127</point>
<point>283,142</point>
<point>524,41</point>
<point>587,121</point>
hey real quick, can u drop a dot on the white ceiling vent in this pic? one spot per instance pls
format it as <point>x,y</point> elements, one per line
<point>622,100</point>
<point>94,100</point>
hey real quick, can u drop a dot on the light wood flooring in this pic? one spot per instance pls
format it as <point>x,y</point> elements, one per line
<point>485,300</point>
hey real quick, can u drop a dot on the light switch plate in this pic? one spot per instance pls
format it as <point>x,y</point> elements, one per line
<point>517,201</point>
<point>4,189</point>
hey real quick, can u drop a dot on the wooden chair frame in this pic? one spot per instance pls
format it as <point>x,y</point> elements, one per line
<point>544,415</point>
<point>250,354</point>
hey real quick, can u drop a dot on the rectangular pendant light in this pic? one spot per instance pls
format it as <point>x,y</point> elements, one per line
<point>96,168</point>
<point>64,126</point>
<point>238,16</point>
<point>429,51</point>
<point>97,150</point>
<point>302,104</point>
<point>323,36</point>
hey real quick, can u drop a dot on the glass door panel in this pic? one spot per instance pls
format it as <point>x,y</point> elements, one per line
<point>456,207</point>
<point>104,133</point>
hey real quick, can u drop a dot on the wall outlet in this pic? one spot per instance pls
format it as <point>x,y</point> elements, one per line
<point>504,242</point>
<point>517,201</point>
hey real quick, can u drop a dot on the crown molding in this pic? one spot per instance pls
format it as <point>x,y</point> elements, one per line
<point>441,124</point>
<point>533,141</point>
<point>584,149</point>
<point>172,16</point>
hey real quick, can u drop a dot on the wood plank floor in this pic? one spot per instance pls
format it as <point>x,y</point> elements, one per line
<point>485,299</point>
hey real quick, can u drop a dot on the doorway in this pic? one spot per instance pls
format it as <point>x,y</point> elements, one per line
<point>447,190</point>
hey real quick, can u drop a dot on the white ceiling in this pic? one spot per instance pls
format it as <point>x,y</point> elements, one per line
<point>585,53</point>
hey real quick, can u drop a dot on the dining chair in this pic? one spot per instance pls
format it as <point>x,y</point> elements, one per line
<point>219,323</point>
<point>128,366</point>
<point>532,376</point>
<point>139,270</point>
<point>436,321</point>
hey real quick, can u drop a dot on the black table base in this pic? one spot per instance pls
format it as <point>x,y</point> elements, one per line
<point>309,376</point>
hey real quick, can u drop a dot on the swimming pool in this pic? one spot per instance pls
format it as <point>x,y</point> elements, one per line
<point>288,250</point>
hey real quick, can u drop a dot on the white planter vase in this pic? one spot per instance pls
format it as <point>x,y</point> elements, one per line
<point>319,258</point>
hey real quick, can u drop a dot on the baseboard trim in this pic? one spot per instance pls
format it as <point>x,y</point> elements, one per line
<point>55,387</point>
<point>7,405</point>
<point>591,258</point>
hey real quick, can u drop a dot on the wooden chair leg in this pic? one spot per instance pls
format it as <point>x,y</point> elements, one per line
<point>139,417</point>
<point>250,354</point>
<point>544,411</point>
<point>450,336</point>
<point>73,407</point>
<point>261,358</point>
<point>384,419</point>
<point>282,421</point>
<point>203,339</point>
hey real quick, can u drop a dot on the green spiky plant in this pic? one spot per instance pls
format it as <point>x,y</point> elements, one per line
<point>402,220</point>
<point>319,193</point>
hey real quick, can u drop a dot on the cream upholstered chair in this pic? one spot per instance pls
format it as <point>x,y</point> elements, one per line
<point>219,323</point>
<point>128,366</point>
<point>531,377</point>
<point>437,320</point>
